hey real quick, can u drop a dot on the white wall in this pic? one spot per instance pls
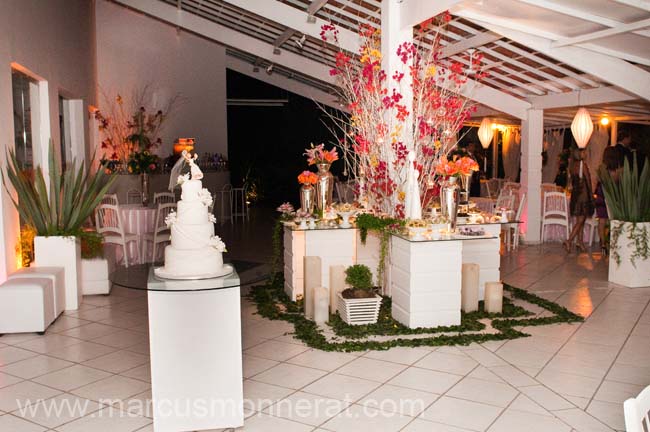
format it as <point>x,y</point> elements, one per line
<point>54,40</point>
<point>134,50</point>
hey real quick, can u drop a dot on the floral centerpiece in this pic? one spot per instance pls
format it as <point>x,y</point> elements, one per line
<point>130,128</point>
<point>317,155</point>
<point>142,162</point>
<point>458,166</point>
<point>307,178</point>
<point>382,129</point>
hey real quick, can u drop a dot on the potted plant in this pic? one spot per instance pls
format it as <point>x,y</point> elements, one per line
<point>95,267</point>
<point>57,213</point>
<point>359,304</point>
<point>628,202</point>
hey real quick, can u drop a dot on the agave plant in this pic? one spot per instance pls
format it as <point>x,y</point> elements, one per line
<point>628,198</point>
<point>71,199</point>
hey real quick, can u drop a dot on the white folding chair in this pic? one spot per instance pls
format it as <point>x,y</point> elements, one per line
<point>555,211</point>
<point>133,196</point>
<point>637,412</point>
<point>592,224</point>
<point>163,198</point>
<point>161,233</point>
<point>238,203</point>
<point>505,201</point>
<point>225,203</point>
<point>512,229</point>
<point>110,199</point>
<point>109,225</point>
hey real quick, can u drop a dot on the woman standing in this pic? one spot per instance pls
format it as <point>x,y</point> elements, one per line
<point>612,162</point>
<point>582,201</point>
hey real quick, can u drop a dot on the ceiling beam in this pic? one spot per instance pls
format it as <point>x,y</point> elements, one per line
<point>413,12</point>
<point>296,19</point>
<point>229,37</point>
<point>578,13</point>
<point>613,70</point>
<point>472,42</point>
<point>315,6</point>
<point>624,28</point>
<point>284,83</point>
<point>639,4</point>
<point>495,99</point>
<point>595,96</point>
<point>283,37</point>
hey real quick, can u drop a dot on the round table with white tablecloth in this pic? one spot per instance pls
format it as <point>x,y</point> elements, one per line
<point>139,220</point>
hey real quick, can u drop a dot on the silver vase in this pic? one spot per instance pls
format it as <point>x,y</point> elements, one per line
<point>449,197</point>
<point>465,181</point>
<point>324,187</point>
<point>307,196</point>
<point>144,183</point>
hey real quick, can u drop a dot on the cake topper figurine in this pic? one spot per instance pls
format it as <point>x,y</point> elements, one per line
<point>175,174</point>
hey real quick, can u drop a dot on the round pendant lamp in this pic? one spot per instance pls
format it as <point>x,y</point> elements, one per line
<point>582,127</point>
<point>485,132</point>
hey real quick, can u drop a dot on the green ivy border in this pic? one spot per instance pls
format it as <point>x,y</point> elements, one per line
<point>274,304</point>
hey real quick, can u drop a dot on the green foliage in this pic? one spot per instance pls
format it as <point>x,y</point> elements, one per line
<point>142,162</point>
<point>359,276</point>
<point>628,197</point>
<point>92,244</point>
<point>276,239</point>
<point>628,200</point>
<point>273,303</point>
<point>382,226</point>
<point>72,196</point>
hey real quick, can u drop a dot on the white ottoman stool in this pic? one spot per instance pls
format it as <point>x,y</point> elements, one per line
<point>55,274</point>
<point>26,305</point>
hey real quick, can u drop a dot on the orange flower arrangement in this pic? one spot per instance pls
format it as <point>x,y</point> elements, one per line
<point>307,178</point>
<point>318,155</point>
<point>457,166</point>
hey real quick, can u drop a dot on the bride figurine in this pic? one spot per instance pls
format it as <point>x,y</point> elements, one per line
<point>195,171</point>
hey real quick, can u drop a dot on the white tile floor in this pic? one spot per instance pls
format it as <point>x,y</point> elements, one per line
<point>566,377</point>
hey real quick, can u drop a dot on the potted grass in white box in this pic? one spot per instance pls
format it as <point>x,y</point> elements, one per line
<point>359,304</point>
<point>627,194</point>
<point>57,213</point>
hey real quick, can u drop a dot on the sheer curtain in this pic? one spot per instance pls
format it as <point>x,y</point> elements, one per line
<point>511,152</point>
<point>553,143</point>
<point>594,152</point>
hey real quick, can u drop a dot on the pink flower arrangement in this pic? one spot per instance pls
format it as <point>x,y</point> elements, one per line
<point>318,155</point>
<point>456,167</point>
<point>307,178</point>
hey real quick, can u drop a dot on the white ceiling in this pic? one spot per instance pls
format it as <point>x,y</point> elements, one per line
<point>550,54</point>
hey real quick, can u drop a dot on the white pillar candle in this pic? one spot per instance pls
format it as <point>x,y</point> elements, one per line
<point>469,287</point>
<point>321,305</point>
<point>312,280</point>
<point>337,284</point>
<point>493,297</point>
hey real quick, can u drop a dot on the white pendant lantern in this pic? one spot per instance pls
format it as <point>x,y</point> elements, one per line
<point>582,127</point>
<point>485,132</point>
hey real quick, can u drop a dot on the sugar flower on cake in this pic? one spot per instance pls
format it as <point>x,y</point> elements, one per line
<point>170,219</point>
<point>183,178</point>
<point>206,197</point>
<point>211,218</point>
<point>217,243</point>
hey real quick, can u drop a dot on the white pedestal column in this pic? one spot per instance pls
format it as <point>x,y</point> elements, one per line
<point>368,254</point>
<point>294,253</point>
<point>196,360</point>
<point>485,253</point>
<point>333,247</point>
<point>532,131</point>
<point>426,282</point>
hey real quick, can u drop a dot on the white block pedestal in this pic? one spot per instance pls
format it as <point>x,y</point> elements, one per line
<point>426,282</point>
<point>56,251</point>
<point>196,359</point>
<point>485,253</point>
<point>333,246</point>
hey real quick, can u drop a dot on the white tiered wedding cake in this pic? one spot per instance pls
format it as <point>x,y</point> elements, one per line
<point>195,251</point>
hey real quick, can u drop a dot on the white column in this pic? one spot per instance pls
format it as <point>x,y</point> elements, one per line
<point>532,131</point>
<point>392,36</point>
<point>613,133</point>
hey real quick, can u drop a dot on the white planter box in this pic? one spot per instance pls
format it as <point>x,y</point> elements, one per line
<point>94,276</point>
<point>359,311</point>
<point>626,274</point>
<point>58,251</point>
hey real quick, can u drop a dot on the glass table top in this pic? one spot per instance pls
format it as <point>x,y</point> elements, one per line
<point>142,277</point>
